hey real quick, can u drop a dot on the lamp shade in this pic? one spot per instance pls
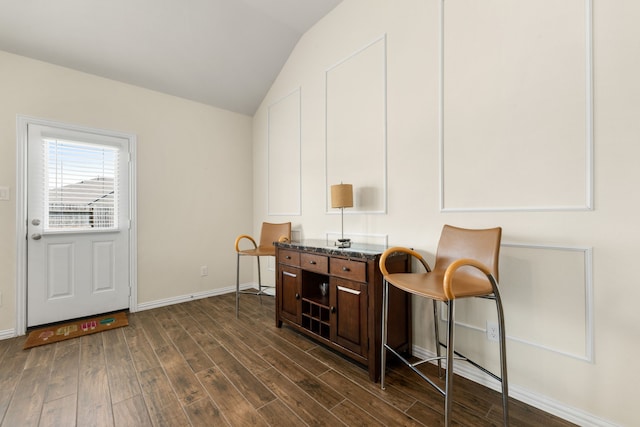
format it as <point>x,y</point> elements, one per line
<point>342,196</point>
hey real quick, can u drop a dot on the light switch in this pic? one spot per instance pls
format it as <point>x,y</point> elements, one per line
<point>4,193</point>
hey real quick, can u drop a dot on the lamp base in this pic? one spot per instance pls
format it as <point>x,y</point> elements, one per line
<point>343,243</point>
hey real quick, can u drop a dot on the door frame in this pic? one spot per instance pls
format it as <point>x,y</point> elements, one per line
<point>22,123</point>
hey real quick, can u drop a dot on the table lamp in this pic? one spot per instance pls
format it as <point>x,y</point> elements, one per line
<point>342,197</point>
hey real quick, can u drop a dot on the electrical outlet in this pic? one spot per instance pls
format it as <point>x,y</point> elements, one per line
<point>493,334</point>
<point>204,270</point>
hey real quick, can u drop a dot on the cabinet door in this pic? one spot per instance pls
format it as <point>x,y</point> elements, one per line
<point>289,293</point>
<point>349,314</point>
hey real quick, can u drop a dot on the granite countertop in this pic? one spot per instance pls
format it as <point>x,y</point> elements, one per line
<point>357,250</point>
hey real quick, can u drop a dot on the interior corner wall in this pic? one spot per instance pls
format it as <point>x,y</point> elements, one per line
<point>189,211</point>
<point>559,130</point>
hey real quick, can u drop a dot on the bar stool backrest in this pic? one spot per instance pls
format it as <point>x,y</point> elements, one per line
<point>481,245</point>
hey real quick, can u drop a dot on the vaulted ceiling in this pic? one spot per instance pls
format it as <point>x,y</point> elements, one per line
<point>224,53</point>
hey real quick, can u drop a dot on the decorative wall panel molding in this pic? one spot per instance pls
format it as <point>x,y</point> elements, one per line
<point>356,127</point>
<point>547,293</point>
<point>284,195</point>
<point>516,101</point>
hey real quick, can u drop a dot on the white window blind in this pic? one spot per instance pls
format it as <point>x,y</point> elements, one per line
<point>81,186</point>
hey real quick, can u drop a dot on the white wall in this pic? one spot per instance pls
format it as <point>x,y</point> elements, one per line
<point>567,260</point>
<point>193,174</point>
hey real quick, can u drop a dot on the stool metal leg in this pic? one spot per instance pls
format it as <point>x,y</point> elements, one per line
<point>503,361</point>
<point>436,321</point>
<point>383,347</point>
<point>259,278</point>
<point>448,397</point>
<point>237,285</point>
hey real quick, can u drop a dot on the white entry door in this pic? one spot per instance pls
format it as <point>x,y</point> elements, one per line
<point>77,224</point>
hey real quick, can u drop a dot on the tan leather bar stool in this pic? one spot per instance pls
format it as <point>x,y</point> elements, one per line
<point>270,233</point>
<point>466,266</point>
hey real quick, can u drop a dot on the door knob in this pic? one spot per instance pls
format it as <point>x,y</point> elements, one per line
<point>35,222</point>
<point>36,236</point>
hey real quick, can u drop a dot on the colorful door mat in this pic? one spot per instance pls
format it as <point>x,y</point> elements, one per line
<point>77,328</point>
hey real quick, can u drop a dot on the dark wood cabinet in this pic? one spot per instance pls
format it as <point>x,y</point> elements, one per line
<point>335,296</point>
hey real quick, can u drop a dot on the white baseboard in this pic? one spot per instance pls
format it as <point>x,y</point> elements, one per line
<point>191,297</point>
<point>529,397</point>
<point>7,333</point>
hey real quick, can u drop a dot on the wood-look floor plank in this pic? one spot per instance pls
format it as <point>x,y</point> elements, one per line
<point>249,334</point>
<point>240,350</point>
<point>416,388</point>
<point>39,356</point>
<point>204,413</point>
<point>142,354</point>
<point>276,413</point>
<point>352,415</point>
<point>369,403</point>
<point>475,400</point>
<point>258,324</point>
<point>178,311</point>
<point>10,372</point>
<point>310,411</point>
<point>161,401</point>
<point>59,412</point>
<point>121,372</point>
<point>235,408</point>
<point>29,393</point>
<point>186,345</point>
<point>203,338</point>
<point>131,412</point>
<point>153,330</point>
<point>26,406</point>
<point>94,398</point>
<point>64,374</point>
<point>310,384</point>
<point>470,408</point>
<point>303,358</point>
<point>360,376</point>
<point>182,378</point>
<point>461,414</point>
<point>250,386</point>
<point>521,414</point>
<point>5,345</point>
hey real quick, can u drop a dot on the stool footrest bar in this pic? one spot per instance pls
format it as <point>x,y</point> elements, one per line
<point>482,368</point>
<point>412,367</point>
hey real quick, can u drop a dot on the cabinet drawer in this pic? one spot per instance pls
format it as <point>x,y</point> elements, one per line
<point>289,257</point>
<point>312,262</point>
<point>349,269</point>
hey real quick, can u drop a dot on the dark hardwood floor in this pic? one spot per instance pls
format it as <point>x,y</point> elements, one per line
<point>194,364</point>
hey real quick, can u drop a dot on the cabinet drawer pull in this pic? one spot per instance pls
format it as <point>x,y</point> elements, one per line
<point>333,309</point>
<point>351,291</point>
<point>346,269</point>
<point>312,262</point>
<point>286,273</point>
<point>297,296</point>
<point>287,257</point>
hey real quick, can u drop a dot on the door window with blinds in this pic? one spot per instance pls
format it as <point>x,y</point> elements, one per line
<point>81,186</point>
